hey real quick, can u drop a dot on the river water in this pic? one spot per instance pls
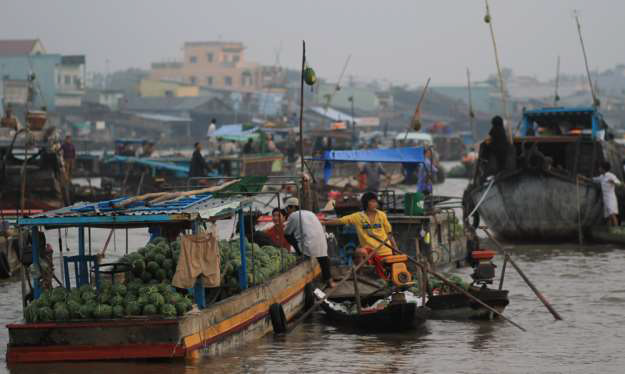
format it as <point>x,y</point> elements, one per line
<point>586,285</point>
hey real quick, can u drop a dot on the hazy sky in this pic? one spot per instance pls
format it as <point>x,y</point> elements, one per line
<point>404,41</point>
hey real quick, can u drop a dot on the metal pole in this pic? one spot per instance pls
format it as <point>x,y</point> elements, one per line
<point>83,274</point>
<point>243,268</point>
<point>35,243</point>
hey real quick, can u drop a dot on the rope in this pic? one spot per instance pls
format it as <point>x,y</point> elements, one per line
<point>492,181</point>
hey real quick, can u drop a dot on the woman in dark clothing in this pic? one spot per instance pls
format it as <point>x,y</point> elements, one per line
<point>498,142</point>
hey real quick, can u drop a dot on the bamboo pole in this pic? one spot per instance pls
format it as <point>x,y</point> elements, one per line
<point>538,294</point>
<point>417,111</point>
<point>356,291</point>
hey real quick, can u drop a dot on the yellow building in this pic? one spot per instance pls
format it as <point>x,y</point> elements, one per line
<point>214,64</point>
<point>151,88</point>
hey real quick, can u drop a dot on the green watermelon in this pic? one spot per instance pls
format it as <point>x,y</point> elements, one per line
<point>168,310</point>
<point>149,310</point>
<point>118,311</point>
<point>133,308</point>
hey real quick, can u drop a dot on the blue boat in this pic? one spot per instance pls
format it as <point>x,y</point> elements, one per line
<point>536,195</point>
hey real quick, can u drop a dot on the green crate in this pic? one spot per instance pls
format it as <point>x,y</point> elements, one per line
<point>414,204</point>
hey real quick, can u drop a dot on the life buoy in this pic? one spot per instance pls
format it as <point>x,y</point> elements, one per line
<point>278,318</point>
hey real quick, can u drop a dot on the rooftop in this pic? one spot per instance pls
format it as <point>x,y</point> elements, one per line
<point>17,47</point>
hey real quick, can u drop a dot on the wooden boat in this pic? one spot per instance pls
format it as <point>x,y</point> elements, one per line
<point>381,310</point>
<point>459,306</point>
<point>393,317</point>
<point>209,328</point>
<point>536,195</point>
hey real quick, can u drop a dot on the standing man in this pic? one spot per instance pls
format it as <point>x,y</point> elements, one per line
<point>425,175</point>
<point>305,233</point>
<point>610,205</point>
<point>198,167</point>
<point>69,156</point>
<point>373,173</point>
<point>248,148</point>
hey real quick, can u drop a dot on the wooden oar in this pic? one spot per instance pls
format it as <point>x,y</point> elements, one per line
<point>345,278</point>
<point>538,294</point>
<point>453,285</point>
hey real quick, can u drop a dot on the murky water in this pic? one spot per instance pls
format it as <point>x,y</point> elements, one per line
<point>586,285</point>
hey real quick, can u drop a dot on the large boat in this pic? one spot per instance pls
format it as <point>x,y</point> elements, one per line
<point>537,195</point>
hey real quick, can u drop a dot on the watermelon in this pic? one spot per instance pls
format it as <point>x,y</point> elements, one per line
<point>152,267</point>
<point>45,314</point>
<point>116,300</point>
<point>156,299</point>
<point>74,308</point>
<point>160,274</point>
<point>86,311</point>
<point>168,310</point>
<point>149,310</point>
<point>61,312</point>
<point>118,311</point>
<point>119,289</point>
<point>133,308</point>
<point>103,311</point>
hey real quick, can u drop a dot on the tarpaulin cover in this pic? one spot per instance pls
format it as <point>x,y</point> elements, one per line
<point>158,165</point>
<point>414,155</point>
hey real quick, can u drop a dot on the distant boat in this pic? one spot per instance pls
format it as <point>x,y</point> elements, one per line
<point>536,196</point>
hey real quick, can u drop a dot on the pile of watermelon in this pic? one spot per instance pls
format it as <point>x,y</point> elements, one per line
<point>147,289</point>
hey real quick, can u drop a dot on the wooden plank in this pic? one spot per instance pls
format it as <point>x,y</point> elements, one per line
<point>92,352</point>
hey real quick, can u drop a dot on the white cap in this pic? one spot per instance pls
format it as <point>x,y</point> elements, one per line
<point>292,201</point>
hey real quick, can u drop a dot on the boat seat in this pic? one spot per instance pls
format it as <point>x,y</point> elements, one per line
<point>394,259</point>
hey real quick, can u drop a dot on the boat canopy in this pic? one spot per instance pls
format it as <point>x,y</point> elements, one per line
<point>181,170</point>
<point>417,137</point>
<point>563,121</point>
<point>414,155</point>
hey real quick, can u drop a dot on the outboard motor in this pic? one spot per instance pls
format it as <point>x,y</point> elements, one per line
<point>483,267</point>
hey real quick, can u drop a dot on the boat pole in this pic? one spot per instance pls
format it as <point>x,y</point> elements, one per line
<point>452,285</point>
<point>356,290</point>
<point>345,278</point>
<point>417,111</point>
<point>538,294</point>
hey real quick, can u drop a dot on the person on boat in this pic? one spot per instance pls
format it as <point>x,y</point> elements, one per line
<point>199,167</point>
<point>610,204</point>
<point>248,148</point>
<point>69,156</point>
<point>372,174</point>
<point>371,225</point>
<point>425,174</point>
<point>305,233</point>
<point>276,232</point>
<point>498,142</point>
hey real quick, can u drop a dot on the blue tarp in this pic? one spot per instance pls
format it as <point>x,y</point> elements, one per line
<point>414,155</point>
<point>157,165</point>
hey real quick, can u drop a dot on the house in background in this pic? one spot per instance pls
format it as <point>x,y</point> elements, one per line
<point>59,79</point>
<point>217,65</point>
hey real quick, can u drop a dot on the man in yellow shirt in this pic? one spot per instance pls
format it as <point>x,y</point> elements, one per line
<point>369,220</point>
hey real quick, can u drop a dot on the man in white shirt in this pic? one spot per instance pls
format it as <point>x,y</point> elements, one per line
<point>608,181</point>
<point>307,236</point>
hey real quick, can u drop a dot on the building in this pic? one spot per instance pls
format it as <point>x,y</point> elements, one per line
<point>154,88</point>
<point>59,80</point>
<point>217,65</point>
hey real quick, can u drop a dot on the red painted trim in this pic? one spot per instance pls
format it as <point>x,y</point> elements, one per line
<point>111,323</point>
<point>92,352</point>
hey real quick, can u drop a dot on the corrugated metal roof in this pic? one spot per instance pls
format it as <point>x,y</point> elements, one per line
<point>205,205</point>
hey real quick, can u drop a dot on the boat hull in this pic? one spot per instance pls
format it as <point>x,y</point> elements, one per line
<point>457,306</point>
<point>395,317</point>
<point>213,330</point>
<point>538,207</point>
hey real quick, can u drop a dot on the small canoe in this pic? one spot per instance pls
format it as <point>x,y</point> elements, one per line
<point>380,316</point>
<point>458,306</point>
